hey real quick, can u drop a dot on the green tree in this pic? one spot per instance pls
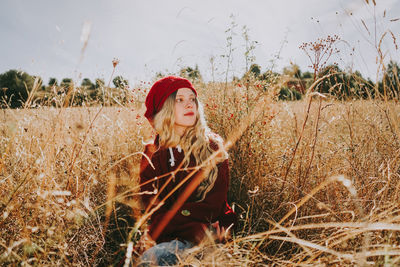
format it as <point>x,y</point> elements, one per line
<point>53,82</point>
<point>307,75</point>
<point>360,87</point>
<point>344,85</point>
<point>120,82</point>
<point>14,88</point>
<point>99,86</point>
<point>40,82</point>
<point>255,70</point>
<point>390,84</point>
<point>287,93</point>
<point>99,83</point>
<point>66,82</point>
<point>190,73</point>
<point>336,84</point>
<point>87,84</point>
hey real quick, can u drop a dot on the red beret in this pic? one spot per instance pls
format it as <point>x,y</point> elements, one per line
<point>160,91</point>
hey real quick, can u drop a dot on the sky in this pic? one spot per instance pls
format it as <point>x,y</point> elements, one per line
<point>80,38</point>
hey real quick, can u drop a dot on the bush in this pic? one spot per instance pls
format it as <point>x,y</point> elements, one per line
<point>14,88</point>
<point>289,94</point>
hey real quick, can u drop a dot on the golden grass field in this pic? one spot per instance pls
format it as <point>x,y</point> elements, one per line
<point>320,193</point>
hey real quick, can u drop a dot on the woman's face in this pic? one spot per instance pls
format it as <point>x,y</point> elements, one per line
<point>185,109</point>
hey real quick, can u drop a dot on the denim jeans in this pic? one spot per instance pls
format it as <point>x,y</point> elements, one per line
<point>164,254</point>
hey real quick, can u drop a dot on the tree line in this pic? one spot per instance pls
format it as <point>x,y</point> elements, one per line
<point>335,82</point>
<point>18,87</point>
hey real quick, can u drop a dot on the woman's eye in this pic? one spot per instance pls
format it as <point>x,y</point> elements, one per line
<point>180,100</point>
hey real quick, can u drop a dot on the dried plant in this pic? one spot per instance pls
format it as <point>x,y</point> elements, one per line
<point>320,51</point>
<point>314,184</point>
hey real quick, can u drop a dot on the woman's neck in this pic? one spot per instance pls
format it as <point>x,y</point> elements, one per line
<point>179,130</point>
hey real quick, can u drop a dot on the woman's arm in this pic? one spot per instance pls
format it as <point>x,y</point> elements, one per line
<point>148,187</point>
<point>208,210</point>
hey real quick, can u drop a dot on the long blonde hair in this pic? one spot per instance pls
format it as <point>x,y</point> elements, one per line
<point>195,141</point>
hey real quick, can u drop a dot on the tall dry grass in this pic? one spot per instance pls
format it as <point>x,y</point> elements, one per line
<point>315,182</point>
<point>69,181</point>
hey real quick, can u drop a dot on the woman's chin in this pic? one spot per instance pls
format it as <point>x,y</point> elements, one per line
<point>187,124</point>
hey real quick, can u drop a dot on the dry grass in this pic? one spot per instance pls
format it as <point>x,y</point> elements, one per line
<point>69,181</point>
<point>314,182</point>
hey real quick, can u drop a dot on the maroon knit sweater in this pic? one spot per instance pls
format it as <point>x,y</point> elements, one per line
<point>193,217</point>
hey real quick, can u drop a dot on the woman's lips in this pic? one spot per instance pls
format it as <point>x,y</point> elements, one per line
<point>189,114</point>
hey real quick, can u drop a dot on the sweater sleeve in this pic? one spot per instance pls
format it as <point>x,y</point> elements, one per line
<point>147,173</point>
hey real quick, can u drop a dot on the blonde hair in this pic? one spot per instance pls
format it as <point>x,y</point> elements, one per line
<point>195,141</point>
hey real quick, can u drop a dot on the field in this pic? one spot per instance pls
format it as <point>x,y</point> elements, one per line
<point>315,182</point>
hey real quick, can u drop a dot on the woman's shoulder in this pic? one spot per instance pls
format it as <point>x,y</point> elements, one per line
<point>152,148</point>
<point>150,155</point>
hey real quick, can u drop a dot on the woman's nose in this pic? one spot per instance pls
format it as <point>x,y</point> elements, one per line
<point>189,104</point>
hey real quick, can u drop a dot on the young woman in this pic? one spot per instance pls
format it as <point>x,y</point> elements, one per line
<point>184,176</point>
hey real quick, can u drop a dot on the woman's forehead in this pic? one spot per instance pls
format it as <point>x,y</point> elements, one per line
<point>185,92</point>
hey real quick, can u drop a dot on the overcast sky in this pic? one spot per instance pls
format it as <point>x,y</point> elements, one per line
<point>48,37</point>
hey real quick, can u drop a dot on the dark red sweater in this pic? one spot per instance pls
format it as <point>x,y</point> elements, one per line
<point>196,216</point>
